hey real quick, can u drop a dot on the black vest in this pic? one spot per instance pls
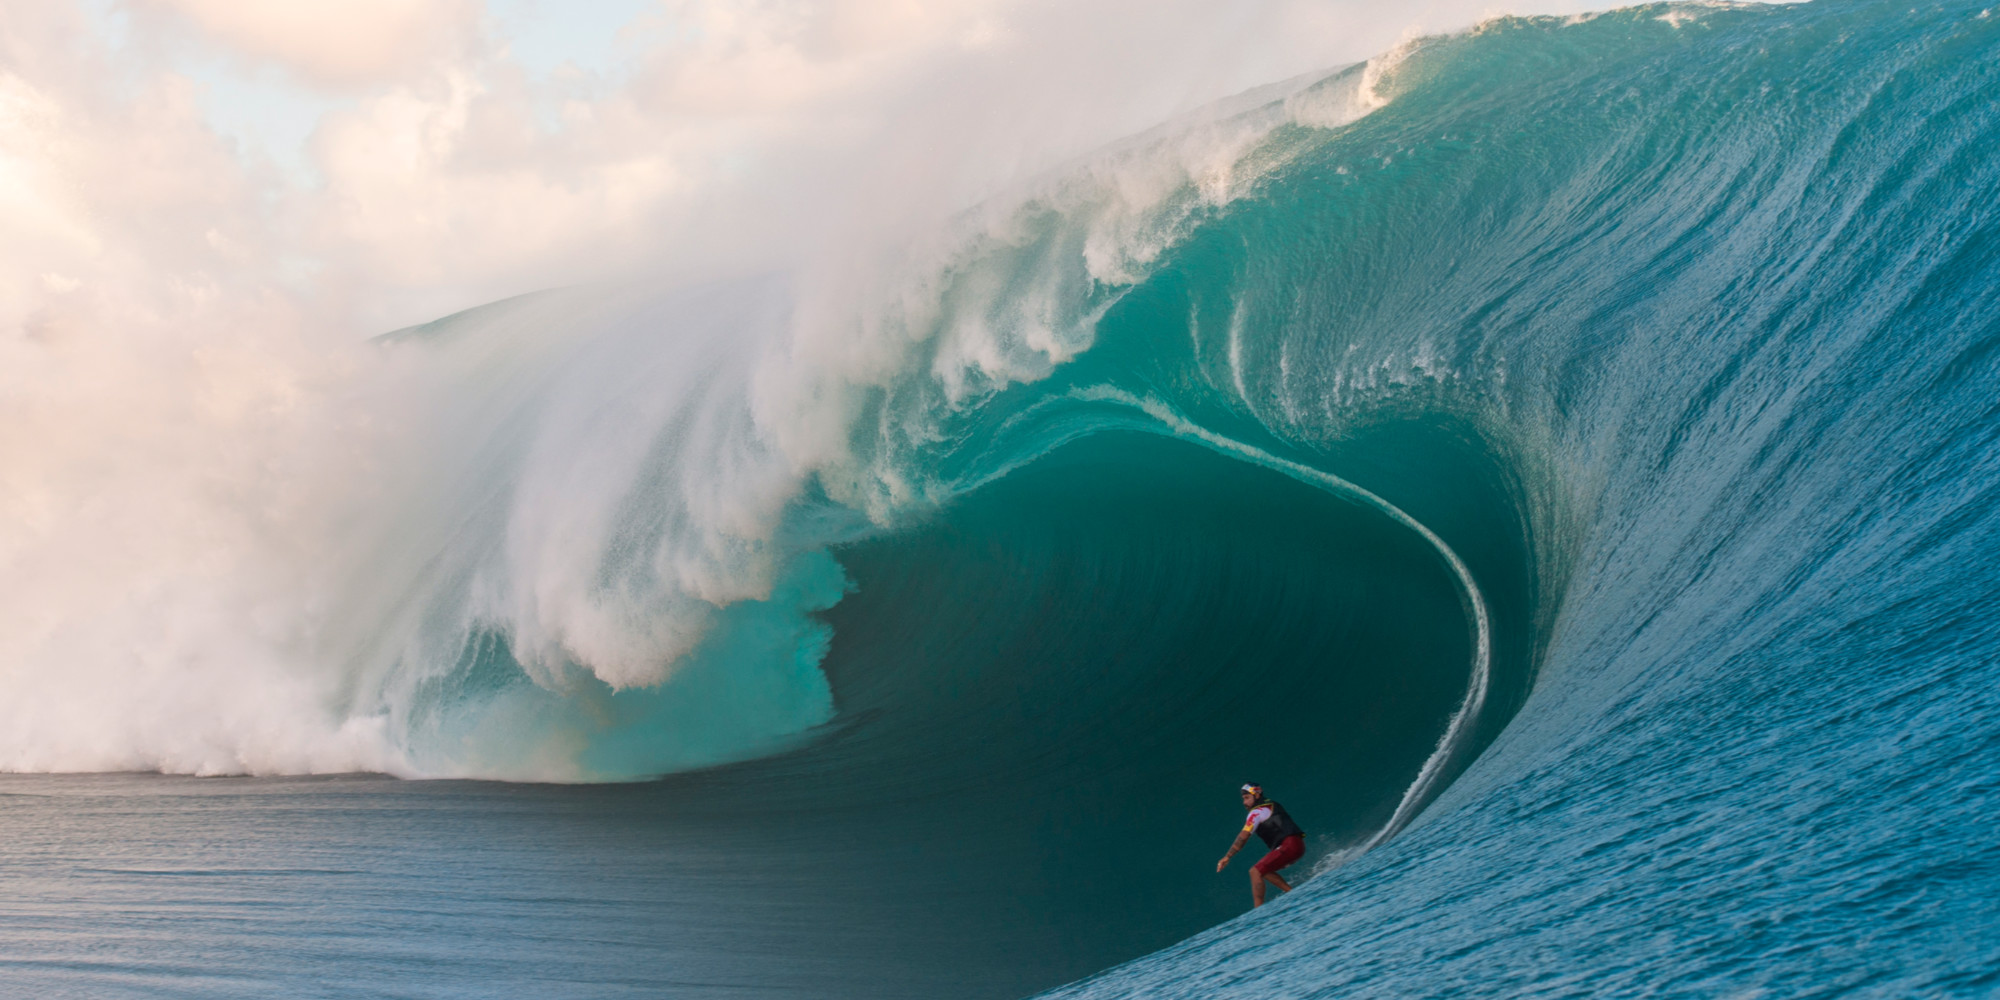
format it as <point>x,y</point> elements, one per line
<point>1277,826</point>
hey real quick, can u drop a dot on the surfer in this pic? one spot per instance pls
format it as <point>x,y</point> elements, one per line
<point>1286,841</point>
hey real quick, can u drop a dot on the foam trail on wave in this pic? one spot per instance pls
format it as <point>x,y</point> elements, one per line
<point>1466,717</point>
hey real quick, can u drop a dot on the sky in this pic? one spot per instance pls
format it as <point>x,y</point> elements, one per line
<point>264,107</point>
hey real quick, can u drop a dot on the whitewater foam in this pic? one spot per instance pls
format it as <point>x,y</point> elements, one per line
<point>617,482</point>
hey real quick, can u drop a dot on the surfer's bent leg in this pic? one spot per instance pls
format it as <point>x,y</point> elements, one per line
<point>1287,851</point>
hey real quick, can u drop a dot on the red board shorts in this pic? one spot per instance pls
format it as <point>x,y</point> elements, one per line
<point>1288,850</point>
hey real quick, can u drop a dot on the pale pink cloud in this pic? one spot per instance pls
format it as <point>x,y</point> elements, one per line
<point>335,43</point>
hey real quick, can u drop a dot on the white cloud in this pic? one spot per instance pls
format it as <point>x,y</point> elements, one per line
<point>335,43</point>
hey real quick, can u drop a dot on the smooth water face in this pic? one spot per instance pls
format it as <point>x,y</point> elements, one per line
<point>147,886</point>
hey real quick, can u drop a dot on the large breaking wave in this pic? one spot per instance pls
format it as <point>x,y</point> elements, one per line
<point>1611,395</point>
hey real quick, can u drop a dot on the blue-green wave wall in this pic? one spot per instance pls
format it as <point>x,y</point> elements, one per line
<point>1558,457</point>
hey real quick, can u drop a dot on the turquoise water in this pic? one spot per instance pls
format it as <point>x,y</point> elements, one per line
<point>1566,476</point>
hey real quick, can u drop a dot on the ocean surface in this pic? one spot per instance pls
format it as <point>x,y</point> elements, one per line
<point>1561,461</point>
